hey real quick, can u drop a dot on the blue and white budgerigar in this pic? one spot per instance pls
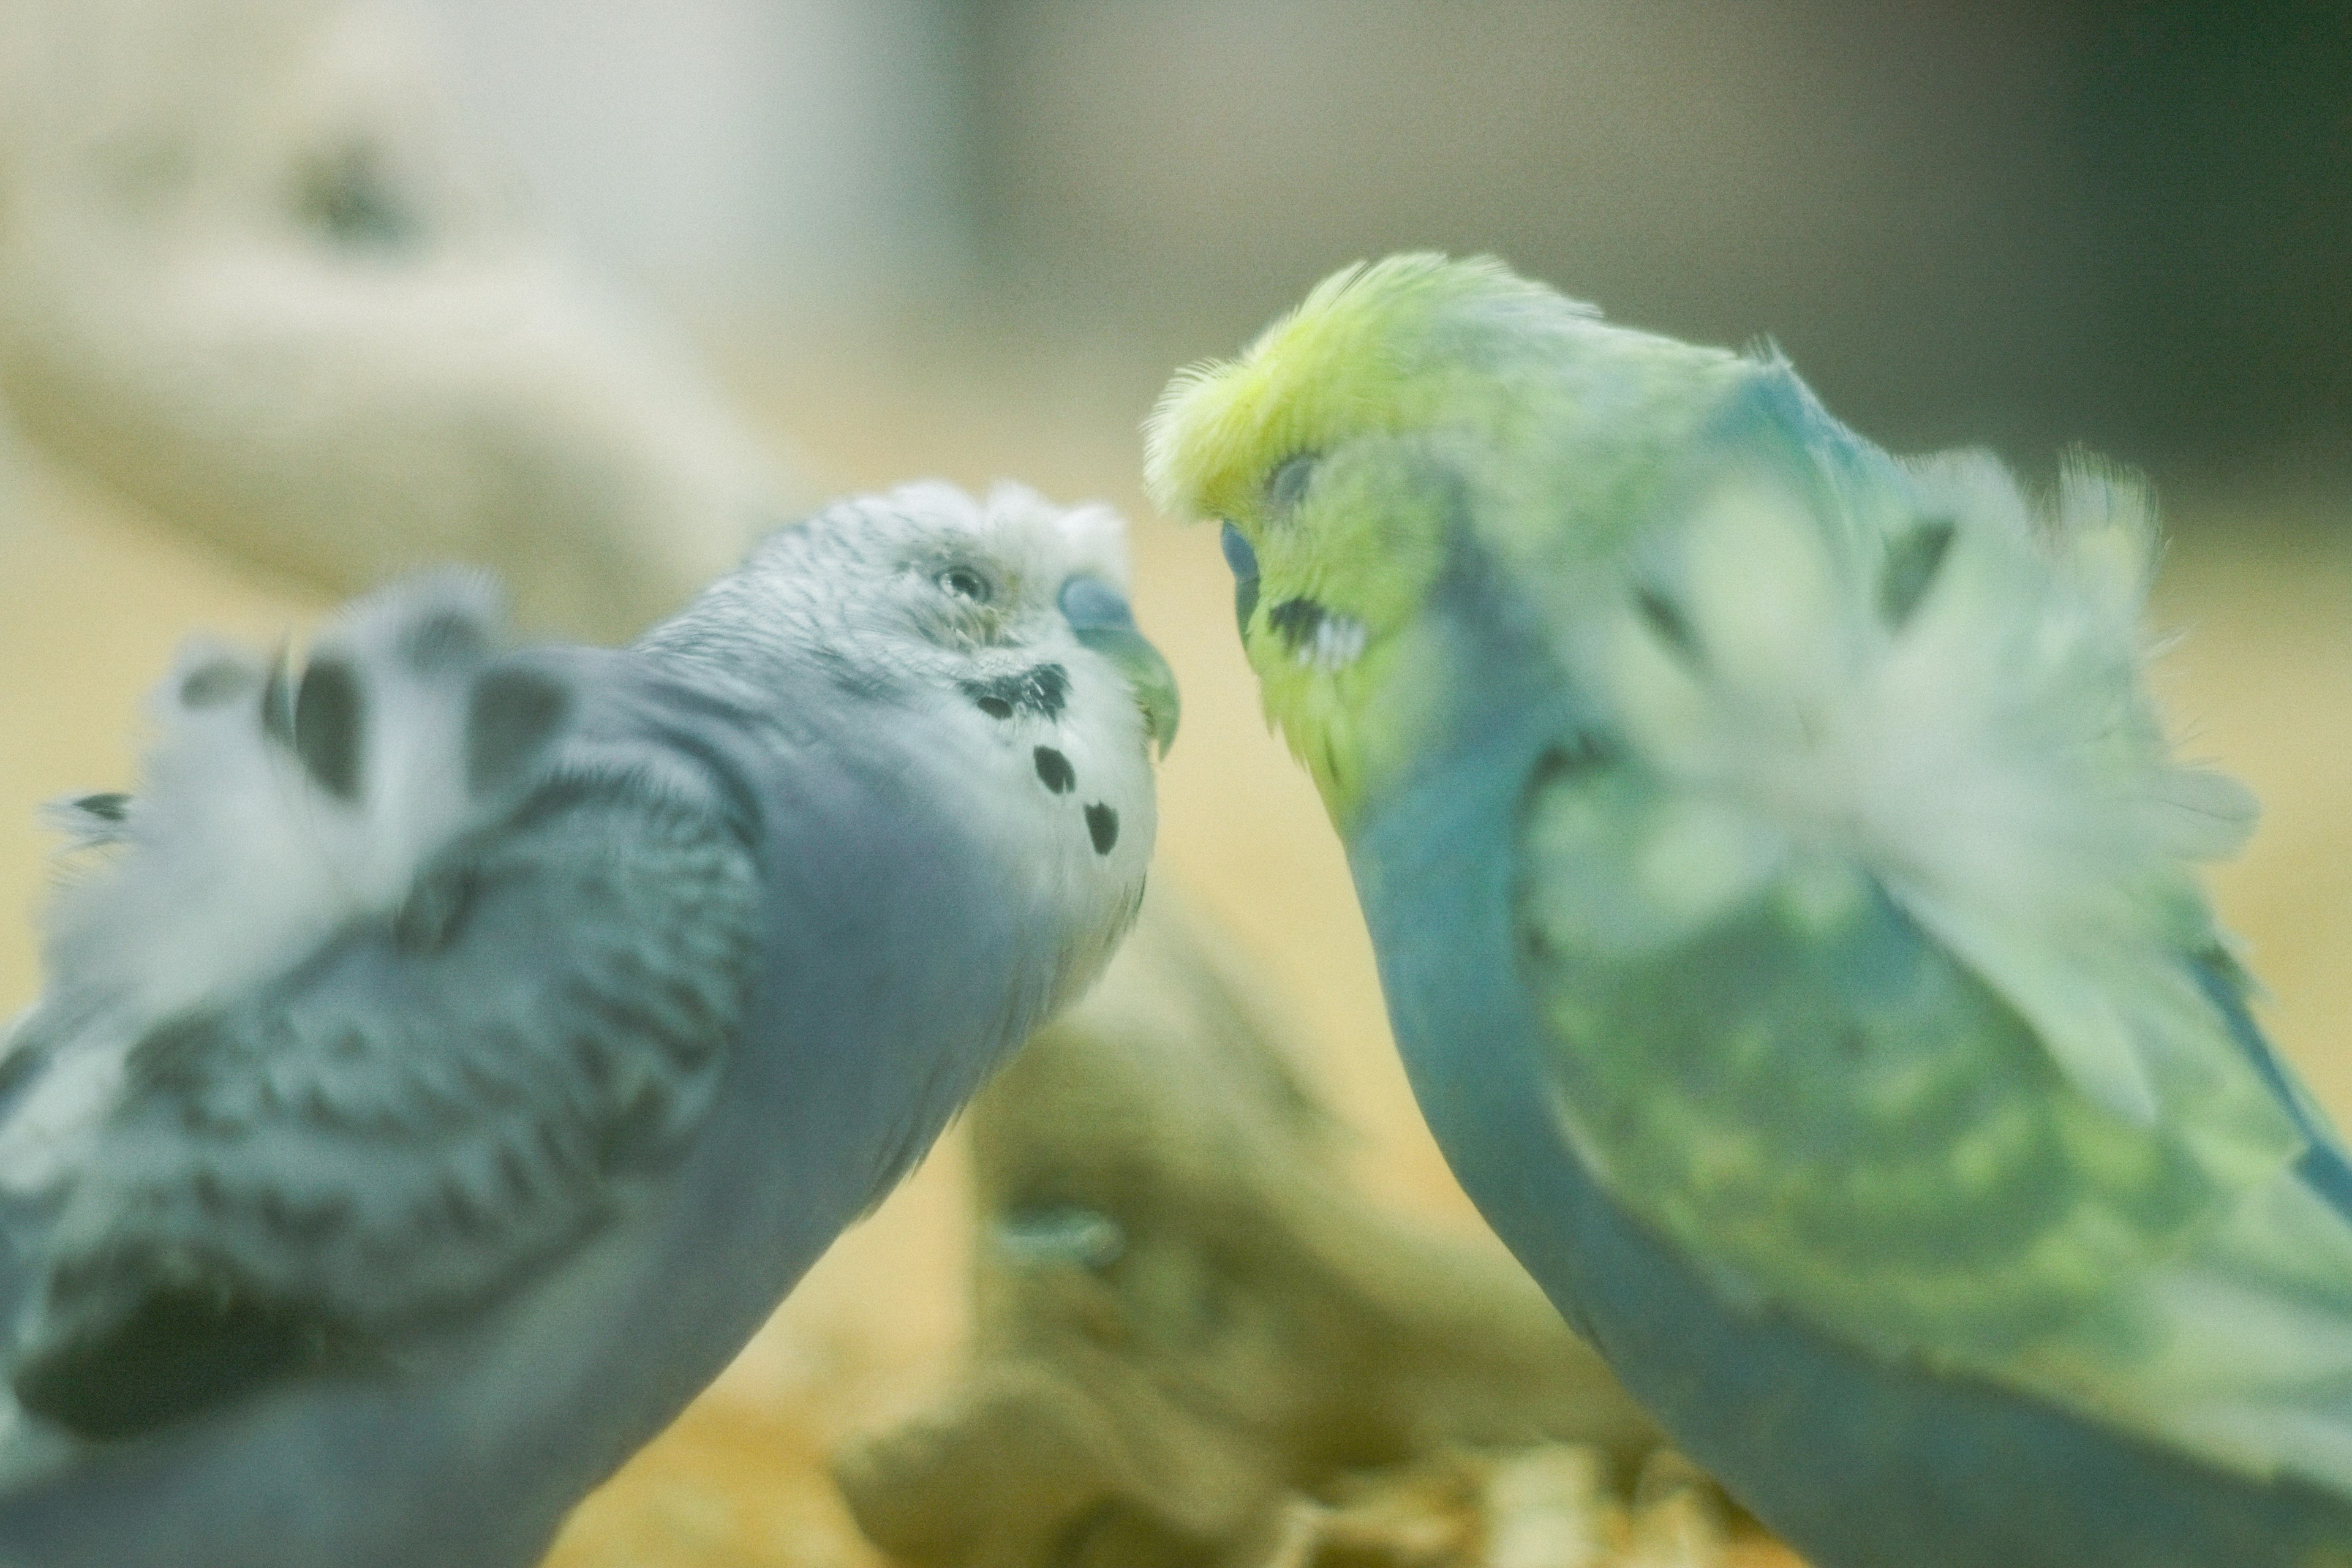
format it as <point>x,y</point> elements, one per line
<point>452,1053</point>
<point>1784,897</point>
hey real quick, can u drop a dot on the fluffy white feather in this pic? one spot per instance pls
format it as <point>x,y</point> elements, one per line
<point>236,858</point>
<point>1980,748</point>
<point>240,859</point>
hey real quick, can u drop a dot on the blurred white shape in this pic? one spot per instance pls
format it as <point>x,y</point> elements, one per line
<point>253,275</point>
<point>812,148</point>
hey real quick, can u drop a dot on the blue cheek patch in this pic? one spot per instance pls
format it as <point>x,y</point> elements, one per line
<point>1243,560</point>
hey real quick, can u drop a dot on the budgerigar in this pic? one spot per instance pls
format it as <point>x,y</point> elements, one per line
<point>1783,896</point>
<point>455,1053</point>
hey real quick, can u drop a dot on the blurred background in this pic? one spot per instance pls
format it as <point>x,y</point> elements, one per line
<point>971,237</point>
<point>2127,225</point>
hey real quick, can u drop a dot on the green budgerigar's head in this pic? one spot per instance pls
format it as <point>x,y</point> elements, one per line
<point>1344,452</point>
<point>1314,449</point>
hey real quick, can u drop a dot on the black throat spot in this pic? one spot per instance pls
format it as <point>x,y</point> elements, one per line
<point>1040,690</point>
<point>1054,770</point>
<point>1102,826</point>
<point>1295,621</point>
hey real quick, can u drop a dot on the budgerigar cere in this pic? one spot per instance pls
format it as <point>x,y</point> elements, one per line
<point>451,1054</point>
<point>1786,902</point>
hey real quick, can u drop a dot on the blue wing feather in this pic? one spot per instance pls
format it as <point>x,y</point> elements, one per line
<point>2323,1166</point>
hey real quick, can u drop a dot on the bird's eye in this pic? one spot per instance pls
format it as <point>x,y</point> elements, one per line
<point>1287,486</point>
<point>966,584</point>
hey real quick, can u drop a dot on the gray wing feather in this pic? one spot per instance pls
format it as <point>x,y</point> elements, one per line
<point>430,1109</point>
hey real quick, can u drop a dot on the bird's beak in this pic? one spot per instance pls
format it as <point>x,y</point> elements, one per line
<point>1097,613</point>
<point>1243,560</point>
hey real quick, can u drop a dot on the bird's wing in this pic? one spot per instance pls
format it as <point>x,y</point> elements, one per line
<point>1823,1108</point>
<point>433,1101</point>
<point>1871,975</point>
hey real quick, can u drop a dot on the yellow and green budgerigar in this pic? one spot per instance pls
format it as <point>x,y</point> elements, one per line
<point>1785,899</point>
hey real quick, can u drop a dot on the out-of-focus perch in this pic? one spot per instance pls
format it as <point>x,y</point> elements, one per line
<point>253,276</point>
<point>1197,1343</point>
